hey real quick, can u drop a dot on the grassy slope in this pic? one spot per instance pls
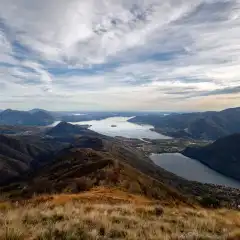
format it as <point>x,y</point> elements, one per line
<point>105,213</point>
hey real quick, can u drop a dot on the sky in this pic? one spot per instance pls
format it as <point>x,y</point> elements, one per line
<point>172,55</point>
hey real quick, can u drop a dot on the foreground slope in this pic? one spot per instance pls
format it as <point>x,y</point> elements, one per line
<point>222,156</point>
<point>108,213</point>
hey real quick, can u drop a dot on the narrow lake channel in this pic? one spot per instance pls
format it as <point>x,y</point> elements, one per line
<point>191,169</point>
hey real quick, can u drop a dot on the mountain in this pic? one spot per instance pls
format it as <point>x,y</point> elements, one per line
<point>36,118</point>
<point>44,118</point>
<point>80,117</point>
<point>38,110</point>
<point>64,129</point>
<point>89,162</point>
<point>222,156</point>
<point>18,129</point>
<point>205,125</point>
<point>18,155</point>
<point>75,170</point>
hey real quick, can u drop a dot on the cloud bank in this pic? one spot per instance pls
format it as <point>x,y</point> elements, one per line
<point>120,54</point>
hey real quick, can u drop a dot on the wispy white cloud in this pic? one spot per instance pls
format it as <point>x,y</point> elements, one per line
<point>107,54</point>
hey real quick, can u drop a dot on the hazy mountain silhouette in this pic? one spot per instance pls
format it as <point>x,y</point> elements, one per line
<point>14,117</point>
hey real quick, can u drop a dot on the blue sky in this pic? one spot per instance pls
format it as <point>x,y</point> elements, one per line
<point>171,55</point>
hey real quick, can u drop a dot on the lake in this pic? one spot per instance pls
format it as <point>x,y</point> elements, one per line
<point>119,126</point>
<point>191,169</point>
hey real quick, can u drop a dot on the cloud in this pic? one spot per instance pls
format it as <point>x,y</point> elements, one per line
<point>224,91</point>
<point>119,54</point>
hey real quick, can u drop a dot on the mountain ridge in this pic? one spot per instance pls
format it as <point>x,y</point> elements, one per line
<point>223,155</point>
<point>36,118</point>
<point>209,125</point>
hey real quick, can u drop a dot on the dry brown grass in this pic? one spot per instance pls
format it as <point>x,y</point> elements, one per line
<point>70,217</point>
<point>95,195</point>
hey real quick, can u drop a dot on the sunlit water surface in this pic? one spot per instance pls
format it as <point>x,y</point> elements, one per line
<point>119,126</point>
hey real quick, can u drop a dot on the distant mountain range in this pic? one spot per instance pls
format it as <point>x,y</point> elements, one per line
<point>222,156</point>
<point>201,125</point>
<point>31,118</point>
<point>41,117</point>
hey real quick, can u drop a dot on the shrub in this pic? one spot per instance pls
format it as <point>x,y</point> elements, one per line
<point>135,187</point>
<point>84,184</point>
<point>147,212</point>
<point>159,211</point>
<point>209,202</point>
<point>102,231</point>
<point>117,233</point>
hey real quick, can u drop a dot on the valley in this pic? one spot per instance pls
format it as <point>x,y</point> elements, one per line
<point>72,162</point>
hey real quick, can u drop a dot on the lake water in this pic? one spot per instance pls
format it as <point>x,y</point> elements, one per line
<point>191,169</point>
<point>119,126</point>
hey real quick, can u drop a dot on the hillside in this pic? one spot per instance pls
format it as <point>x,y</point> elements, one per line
<point>223,155</point>
<point>19,129</point>
<point>20,155</point>
<point>64,129</point>
<point>77,170</point>
<point>110,213</point>
<point>35,118</point>
<point>205,125</point>
<point>25,152</point>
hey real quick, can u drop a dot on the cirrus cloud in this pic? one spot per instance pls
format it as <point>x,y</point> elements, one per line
<point>119,54</point>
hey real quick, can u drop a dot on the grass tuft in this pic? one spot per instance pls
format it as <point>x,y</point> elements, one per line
<point>10,233</point>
